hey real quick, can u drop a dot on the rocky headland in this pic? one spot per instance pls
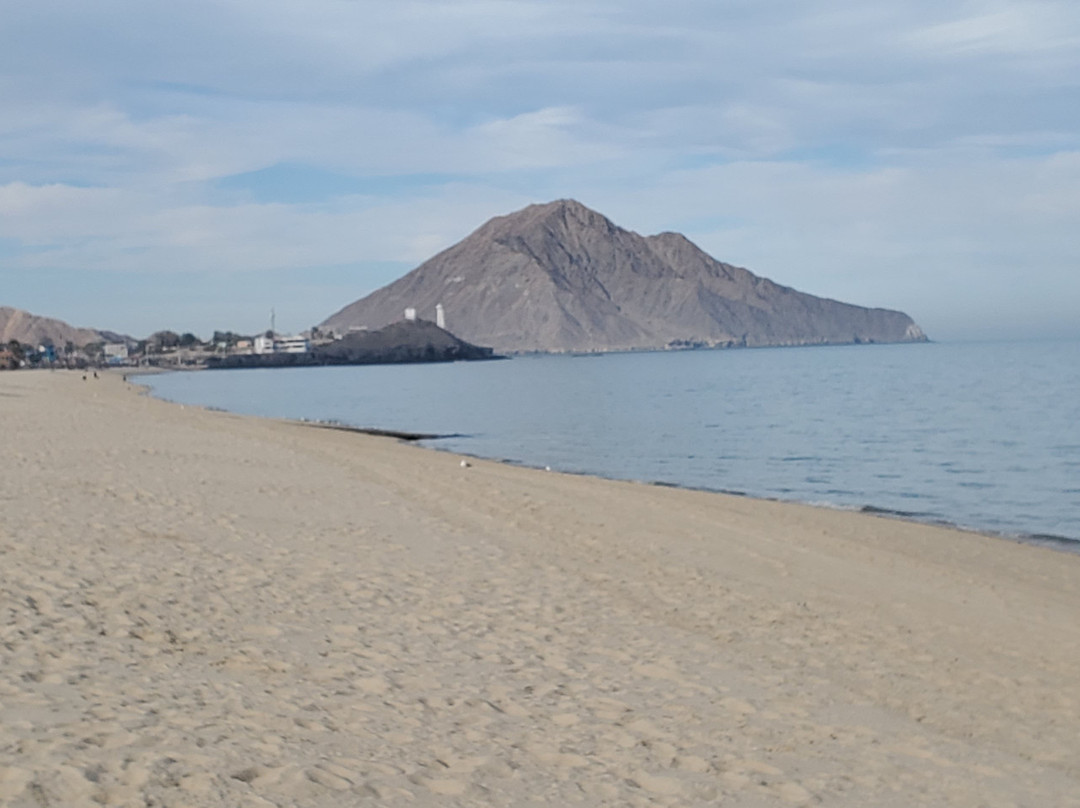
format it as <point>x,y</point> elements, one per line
<point>560,277</point>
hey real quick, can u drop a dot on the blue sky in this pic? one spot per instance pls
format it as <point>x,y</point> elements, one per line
<point>191,165</point>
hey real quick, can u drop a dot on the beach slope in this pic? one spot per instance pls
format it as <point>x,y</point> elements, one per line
<point>202,609</point>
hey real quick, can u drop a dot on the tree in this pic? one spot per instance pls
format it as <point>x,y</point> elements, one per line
<point>160,340</point>
<point>230,338</point>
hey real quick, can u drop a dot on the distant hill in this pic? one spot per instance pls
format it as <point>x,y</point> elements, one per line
<point>561,277</point>
<point>30,329</point>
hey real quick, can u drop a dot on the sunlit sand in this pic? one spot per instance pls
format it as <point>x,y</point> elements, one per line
<point>202,609</point>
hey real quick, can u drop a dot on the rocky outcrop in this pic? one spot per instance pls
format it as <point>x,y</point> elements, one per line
<point>406,341</point>
<point>562,277</point>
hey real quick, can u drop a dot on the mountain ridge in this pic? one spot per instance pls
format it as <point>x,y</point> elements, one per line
<point>560,277</point>
<point>33,329</point>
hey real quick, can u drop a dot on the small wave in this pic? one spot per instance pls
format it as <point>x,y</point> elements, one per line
<point>731,492</point>
<point>1071,545</point>
<point>879,511</point>
<point>833,506</point>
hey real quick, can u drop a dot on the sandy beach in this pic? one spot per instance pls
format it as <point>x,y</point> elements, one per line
<point>203,609</point>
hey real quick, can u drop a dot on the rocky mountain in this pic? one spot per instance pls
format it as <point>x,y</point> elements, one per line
<point>30,329</point>
<point>562,277</point>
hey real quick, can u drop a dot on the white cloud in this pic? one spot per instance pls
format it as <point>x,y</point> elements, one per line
<point>940,238</point>
<point>1004,28</point>
<point>134,231</point>
<point>845,147</point>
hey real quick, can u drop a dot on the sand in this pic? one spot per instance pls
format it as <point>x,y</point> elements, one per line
<point>202,609</point>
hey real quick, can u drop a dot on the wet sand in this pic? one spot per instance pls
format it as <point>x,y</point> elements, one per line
<point>203,609</point>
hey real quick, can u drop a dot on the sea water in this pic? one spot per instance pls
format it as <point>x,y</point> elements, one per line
<point>979,435</point>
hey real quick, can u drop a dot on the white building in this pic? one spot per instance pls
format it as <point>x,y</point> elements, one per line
<point>440,316</point>
<point>280,344</point>
<point>291,345</point>
<point>116,353</point>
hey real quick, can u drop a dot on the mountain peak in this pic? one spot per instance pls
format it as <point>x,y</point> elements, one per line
<point>560,276</point>
<point>559,214</point>
<point>557,207</point>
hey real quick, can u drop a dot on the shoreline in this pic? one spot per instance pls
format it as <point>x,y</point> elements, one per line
<point>1060,543</point>
<point>209,609</point>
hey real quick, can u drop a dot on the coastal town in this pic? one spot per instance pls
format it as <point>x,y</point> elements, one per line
<point>163,349</point>
<point>52,344</point>
<point>49,343</point>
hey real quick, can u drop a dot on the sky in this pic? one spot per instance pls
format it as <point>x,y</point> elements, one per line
<point>194,165</point>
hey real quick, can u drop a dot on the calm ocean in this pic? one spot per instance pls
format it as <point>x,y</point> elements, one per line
<point>979,435</point>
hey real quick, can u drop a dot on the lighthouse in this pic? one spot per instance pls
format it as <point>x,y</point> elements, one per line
<point>440,316</point>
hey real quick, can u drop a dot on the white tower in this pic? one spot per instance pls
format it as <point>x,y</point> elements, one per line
<point>440,316</point>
